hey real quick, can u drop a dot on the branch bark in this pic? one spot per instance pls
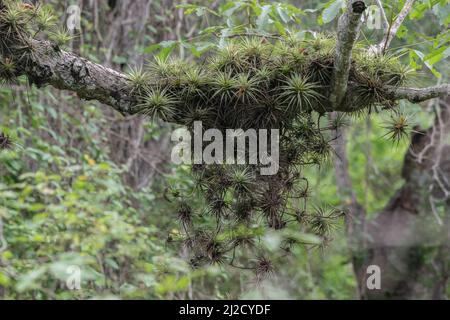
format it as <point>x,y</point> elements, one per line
<point>91,81</point>
<point>348,32</point>
<point>417,95</point>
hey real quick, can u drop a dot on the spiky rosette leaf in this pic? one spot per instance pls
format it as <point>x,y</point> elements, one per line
<point>229,59</point>
<point>13,20</point>
<point>198,113</point>
<point>45,18</point>
<point>242,180</point>
<point>254,52</point>
<point>167,69</point>
<point>223,88</point>
<point>246,89</point>
<point>139,79</point>
<point>323,221</point>
<point>7,70</point>
<point>185,213</point>
<point>61,37</point>
<point>194,81</point>
<point>158,104</point>
<point>398,127</point>
<point>298,94</point>
<point>264,268</point>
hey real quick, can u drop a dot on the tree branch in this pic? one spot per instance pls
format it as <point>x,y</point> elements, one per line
<point>348,32</point>
<point>417,95</point>
<point>91,81</point>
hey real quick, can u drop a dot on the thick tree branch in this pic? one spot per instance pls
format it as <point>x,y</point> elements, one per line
<point>348,32</point>
<point>91,81</point>
<point>417,95</point>
<point>44,63</point>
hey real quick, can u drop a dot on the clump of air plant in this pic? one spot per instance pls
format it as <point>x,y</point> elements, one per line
<point>13,20</point>
<point>5,142</point>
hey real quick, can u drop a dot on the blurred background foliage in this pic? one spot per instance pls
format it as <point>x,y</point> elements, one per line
<point>84,186</point>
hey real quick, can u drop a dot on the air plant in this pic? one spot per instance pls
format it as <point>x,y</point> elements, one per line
<point>194,81</point>
<point>165,69</point>
<point>229,59</point>
<point>215,252</point>
<point>13,19</point>
<point>196,113</point>
<point>253,51</point>
<point>157,103</point>
<point>398,127</point>
<point>7,70</point>
<point>264,268</point>
<point>323,221</point>
<point>246,88</point>
<point>5,142</point>
<point>223,85</point>
<point>45,19</point>
<point>139,79</point>
<point>61,37</point>
<point>299,94</point>
<point>185,213</point>
<point>242,180</point>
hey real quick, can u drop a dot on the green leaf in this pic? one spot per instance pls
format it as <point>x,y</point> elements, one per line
<point>264,18</point>
<point>332,9</point>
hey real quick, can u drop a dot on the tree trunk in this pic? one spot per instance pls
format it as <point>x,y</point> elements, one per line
<point>409,240</point>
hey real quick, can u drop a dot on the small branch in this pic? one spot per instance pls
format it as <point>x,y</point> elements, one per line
<point>348,32</point>
<point>417,95</point>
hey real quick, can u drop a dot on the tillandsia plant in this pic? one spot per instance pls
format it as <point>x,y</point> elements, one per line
<point>252,82</point>
<point>5,141</point>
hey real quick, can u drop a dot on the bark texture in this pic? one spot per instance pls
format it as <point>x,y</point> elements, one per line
<point>348,33</point>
